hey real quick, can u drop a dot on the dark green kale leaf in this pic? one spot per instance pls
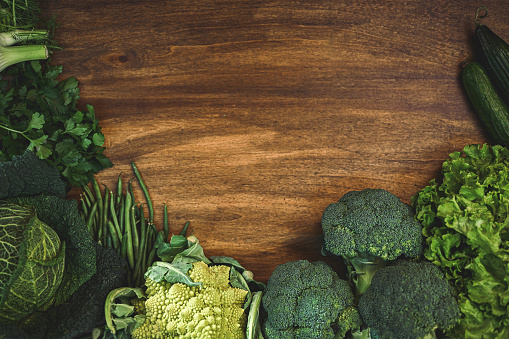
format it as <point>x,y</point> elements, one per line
<point>38,112</point>
<point>28,175</point>
<point>85,309</point>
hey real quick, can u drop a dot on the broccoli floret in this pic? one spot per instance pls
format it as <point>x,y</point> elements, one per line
<point>27,175</point>
<point>408,300</point>
<point>308,300</point>
<point>368,229</point>
<point>212,310</point>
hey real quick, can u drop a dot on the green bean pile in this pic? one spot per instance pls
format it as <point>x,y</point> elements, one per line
<point>117,220</point>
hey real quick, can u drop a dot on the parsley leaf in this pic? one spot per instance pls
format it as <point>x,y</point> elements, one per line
<point>36,122</point>
<point>40,113</point>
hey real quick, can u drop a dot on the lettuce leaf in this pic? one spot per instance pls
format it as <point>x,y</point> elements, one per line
<point>465,218</point>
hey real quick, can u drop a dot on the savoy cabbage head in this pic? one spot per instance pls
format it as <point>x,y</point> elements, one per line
<point>53,277</point>
<point>33,262</point>
<point>47,252</point>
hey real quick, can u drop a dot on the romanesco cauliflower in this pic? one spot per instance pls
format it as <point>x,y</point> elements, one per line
<point>213,310</point>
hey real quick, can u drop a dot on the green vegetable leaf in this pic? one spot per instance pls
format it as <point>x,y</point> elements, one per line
<point>36,122</point>
<point>464,214</point>
<point>37,142</point>
<point>98,139</point>
<point>41,113</point>
<point>120,313</point>
<point>192,254</point>
<point>172,273</point>
<point>168,250</point>
<point>43,152</point>
<point>78,117</point>
<point>253,330</point>
<point>28,260</point>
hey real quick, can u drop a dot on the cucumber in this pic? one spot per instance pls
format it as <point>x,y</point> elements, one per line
<point>489,106</point>
<point>495,57</point>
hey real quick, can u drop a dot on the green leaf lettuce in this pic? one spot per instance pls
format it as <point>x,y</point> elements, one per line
<point>465,218</point>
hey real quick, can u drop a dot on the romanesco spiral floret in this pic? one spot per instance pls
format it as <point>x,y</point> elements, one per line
<point>212,311</point>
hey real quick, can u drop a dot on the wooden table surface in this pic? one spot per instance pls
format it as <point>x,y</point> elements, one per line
<point>249,117</point>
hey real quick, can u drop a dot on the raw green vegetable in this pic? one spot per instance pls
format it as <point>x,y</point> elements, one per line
<point>123,313</point>
<point>368,229</point>
<point>116,220</point>
<point>489,106</point>
<point>15,54</point>
<point>253,327</point>
<point>83,311</point>
<point>495,53</point>
<point>20,24</point>
<point>33,252</point>
<point>19,14</point>
<point>212,310</point>
<point>56,277</point>
<point>27,175</point>
<point>464,214</point>
<point>218,290</point>
<point>38,112</point>
<point>308,300</point>
<point>409,300</point>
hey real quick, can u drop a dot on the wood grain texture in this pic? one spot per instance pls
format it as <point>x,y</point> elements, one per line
<point>249,117</point>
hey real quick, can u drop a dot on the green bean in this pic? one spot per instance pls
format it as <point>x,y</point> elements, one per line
<point>151,256</point>
<point>166,226</point>
<point>114,236</point>
<point>106,205</point>
<point>144,189</point>
<point>141,257</point>
<point>89,196</point>
<point>119,187</point>
<point>91,219</point>
<point>108,242</point>
<point>84,208</point>
<point>150,234</point>
<point>143,232</point>
<point>121,215</point>
<point>100,205</point>
<point>86,199</point>
<point>123,248</point>
<point>134,231</point>
<point>114,218</point>
<point>128,230</point>
<point>130,189</point>
<point>140,270</point>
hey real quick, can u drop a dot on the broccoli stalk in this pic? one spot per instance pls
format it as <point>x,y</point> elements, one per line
<point>361,270</point>
<point>10,55</point>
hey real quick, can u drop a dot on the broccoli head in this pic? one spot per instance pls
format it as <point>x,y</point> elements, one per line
<point>408,300</point>
<point>306,300</point>
<point>369,228</point>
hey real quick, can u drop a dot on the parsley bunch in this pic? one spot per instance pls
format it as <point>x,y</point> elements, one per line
<point>38,112</point>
